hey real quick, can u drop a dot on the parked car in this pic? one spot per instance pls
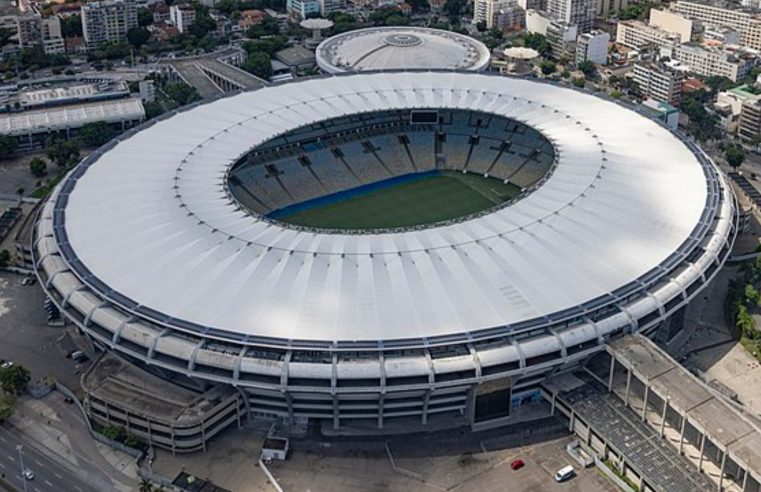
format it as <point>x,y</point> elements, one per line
<point>565,473</point>
<point>28,475</point>
<point>517,464</point>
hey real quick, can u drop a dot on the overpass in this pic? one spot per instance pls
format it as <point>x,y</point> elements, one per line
<point>214,73</point>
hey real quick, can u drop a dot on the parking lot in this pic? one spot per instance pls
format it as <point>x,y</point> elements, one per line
<point>27,339</point>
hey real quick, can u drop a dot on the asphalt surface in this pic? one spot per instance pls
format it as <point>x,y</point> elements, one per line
<point>48,474</point>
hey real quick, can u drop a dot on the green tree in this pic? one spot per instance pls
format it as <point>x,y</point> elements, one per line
<point>181,93</point>
<point>719,83</point>
<point>6,408</point>
<point>537,42</point>
<point>96,134</point>
<point>481,26</point>
<point>71,26</point>
<point>735,155</point>
<point>145,486</point>
<point>38,167</point>
<point>13,379</point>
<point>62,151</point>
<point>144,17</point>
<point>8,146</point>
<point>138,36</point>
<point>547,67</point>
<point>579,82</point>
<point>5,36</point>
<point>258,63</point>
<point>5,258</point>
<point>587,68</point>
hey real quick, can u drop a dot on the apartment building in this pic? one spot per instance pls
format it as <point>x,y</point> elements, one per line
<point>562,38</point>
<point>33,31</point>
<point>327,7</point>
<point>302,9</point>
<point>661,82</point>
<point>605,7</point>
<point>637,35</point>
<point>687,29</point>
<point>742,19</point>
<point>486,10</point>
<point>107,20</point>
<point>749,127</point>
<point>593,46</point>
<point>182,16</point>
<point>731,62</point>
<point>580,13</point>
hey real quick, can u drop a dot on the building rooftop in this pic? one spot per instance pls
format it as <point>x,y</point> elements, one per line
<point>295,56</point>
<point>388,48</point>
<point>72,116</point>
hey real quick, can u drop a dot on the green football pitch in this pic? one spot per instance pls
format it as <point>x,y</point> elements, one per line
<point>424,200</point>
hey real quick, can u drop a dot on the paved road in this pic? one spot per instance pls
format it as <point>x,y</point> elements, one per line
<point>48,474</point>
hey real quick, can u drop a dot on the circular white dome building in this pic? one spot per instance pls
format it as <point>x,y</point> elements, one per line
<point>399,48</point>
<point>163,245</point>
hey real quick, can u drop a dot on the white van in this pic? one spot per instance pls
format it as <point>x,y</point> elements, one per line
<point>564,473</point>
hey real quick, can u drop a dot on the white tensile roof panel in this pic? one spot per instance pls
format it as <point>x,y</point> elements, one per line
<point>398,48</point>
<point>592,227</point>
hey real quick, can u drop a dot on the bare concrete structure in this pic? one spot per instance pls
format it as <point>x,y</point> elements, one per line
<point>156,411</point>
<point>715,434</point>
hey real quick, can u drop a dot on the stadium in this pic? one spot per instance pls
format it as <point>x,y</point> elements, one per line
<point>383,251</point>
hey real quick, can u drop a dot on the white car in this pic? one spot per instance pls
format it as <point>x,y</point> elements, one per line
<point>28,475</point>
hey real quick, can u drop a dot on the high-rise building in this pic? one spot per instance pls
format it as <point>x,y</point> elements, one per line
<point>108,20</point>
<point>660,81</point>
<point>182,16</point>
<point>605,7</point>
<point>302,9</point>
<point>593,46</point>
<point>687,29</point>
<point>29,31</point>
<point>500,14</point>
<point>329,6</point>
<point>580,13</point>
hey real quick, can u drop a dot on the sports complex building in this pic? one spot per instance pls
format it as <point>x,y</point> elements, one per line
<point>382,250</point>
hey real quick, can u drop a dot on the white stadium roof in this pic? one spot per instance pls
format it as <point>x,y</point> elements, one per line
<point>151,220</point>
<point>394,48</point>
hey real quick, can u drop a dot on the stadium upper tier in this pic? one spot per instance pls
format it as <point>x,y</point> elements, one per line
<point>333,156</point>
<point>148,225</point>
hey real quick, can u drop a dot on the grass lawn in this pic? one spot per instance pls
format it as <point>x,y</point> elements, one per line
<point>427,200</point>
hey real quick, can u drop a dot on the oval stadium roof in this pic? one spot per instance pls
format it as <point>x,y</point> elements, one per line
<point>150,218</point>
<point>398,48</point>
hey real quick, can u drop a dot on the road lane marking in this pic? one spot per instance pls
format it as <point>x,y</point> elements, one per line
<point>77,487</point>
<point>3,439</point>
<point>2,465</point>
<point>48,483</point>
<point>11,458</point>
<point>38,463</point>
<point>59,477</point>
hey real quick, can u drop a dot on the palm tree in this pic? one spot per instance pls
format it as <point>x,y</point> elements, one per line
<point>145,486</point>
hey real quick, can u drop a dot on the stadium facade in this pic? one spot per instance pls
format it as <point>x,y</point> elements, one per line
<point>148,249</point>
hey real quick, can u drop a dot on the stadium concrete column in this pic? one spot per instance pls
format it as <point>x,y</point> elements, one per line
<point>721,470</point>
<point>628,385</point>
<point>380,409</point>
<point>644,402</point>
<point>470,407</point>
<point>681,433</point>
<point>611,372</point>
<point>702,448</point>
<point>426,400</point>
<point>663,414</point>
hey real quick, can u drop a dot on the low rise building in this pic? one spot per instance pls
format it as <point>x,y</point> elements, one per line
<point>660,110</point>
<point>302,9</point>
<point>593,46</point>
<point>659,81</point>
<point>35,31</point>
<point>725,61</point>
<point>562,39</point>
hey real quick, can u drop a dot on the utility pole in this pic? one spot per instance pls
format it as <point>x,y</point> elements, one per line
<point>21,464</point>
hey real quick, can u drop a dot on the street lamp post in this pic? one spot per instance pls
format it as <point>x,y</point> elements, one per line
<point>21,464</point>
